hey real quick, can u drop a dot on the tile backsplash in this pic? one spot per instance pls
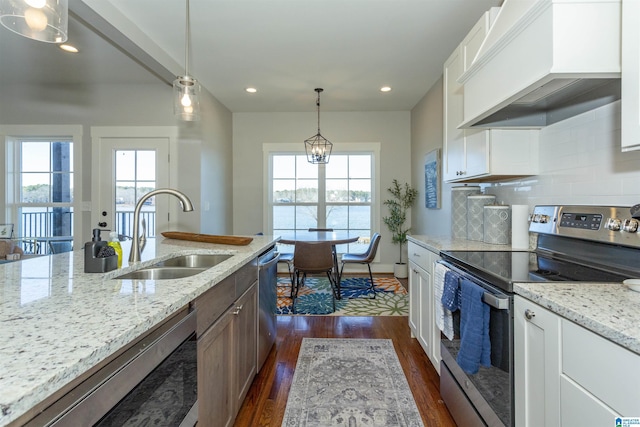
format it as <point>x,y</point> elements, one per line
<point>580,163</point>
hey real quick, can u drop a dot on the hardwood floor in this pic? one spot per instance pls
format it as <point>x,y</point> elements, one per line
<point>266,401</point>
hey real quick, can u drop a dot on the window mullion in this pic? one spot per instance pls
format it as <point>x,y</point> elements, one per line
<point>322,194</point>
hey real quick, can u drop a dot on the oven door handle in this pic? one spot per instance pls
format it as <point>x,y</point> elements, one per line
<point>495,302</point>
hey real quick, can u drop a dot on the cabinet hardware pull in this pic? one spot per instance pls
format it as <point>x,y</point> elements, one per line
<point>415,254</point>
<point>238,309</point>
<point>529,314</point>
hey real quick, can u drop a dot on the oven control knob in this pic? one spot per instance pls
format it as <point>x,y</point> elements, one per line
<point>613,224</point>
<point>544,219</point>
<point>630,225</point>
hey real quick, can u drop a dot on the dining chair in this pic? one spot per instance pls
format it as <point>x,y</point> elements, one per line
<point>313,258</point>
<point>60,247</point>
<point>363,258</point>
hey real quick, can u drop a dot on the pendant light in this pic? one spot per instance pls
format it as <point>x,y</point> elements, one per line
<point>186,89</point>
<point>318,148</point>
<point>42,20</point>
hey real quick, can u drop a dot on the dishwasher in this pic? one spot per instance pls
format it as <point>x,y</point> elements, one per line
<point>267,278</point>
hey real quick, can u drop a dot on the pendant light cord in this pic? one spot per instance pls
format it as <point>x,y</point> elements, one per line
<point>186,43</point>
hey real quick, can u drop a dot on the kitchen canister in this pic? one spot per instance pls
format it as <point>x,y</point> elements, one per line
<point>459,209</point>
<point>475,214</point>
<point>496,227</point>
<point>520,227</point>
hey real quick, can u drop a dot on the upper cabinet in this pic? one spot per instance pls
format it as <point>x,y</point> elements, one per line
<point>543,61</point>
<point>475,155</point>
<point>630,73</point>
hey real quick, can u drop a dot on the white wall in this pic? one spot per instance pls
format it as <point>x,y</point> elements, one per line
<point>251,130</point>
<point>207,142</point>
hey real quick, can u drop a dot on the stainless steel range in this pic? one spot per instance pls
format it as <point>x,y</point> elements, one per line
<point>575,243</point>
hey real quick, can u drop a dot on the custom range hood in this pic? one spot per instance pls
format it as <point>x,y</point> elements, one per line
<point>544,61</point>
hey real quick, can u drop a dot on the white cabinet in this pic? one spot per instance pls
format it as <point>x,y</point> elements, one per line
<point>421,301</point>
<point>536,365</point>
<point>566,375</point>
<point>630,71</point>
<point>480,154</point>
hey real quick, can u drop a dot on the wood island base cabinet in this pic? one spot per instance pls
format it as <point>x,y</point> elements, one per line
<point>227,351</point>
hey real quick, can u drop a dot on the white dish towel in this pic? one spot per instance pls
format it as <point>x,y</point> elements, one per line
<point>444,319</point>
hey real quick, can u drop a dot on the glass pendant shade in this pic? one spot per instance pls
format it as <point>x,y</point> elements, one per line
<point>318,148</point>
<point>186,98</point>
<point>42,20</point>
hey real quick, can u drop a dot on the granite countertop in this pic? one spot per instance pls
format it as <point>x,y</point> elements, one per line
<point>56,321</point>
<point>609,309</point>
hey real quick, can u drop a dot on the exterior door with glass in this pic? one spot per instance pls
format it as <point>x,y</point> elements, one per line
<point>131,168</point>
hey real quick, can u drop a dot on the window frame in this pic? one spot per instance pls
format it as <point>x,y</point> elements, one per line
<point>270,149</point>
<point>10,167</point>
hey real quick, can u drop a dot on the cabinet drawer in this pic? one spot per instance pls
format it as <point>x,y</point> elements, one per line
<point>214,302</point>
<point>245,278</point>
<point>420,256</point>
<point>605,369</point>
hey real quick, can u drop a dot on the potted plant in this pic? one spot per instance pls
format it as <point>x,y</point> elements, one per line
<point>403,198</point>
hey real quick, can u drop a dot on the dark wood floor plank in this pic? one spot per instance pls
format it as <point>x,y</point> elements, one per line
<point>267,398</point>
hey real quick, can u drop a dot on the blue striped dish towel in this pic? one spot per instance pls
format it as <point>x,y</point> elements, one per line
<point>450,292</point>
<point>475,346</point>
<point>444,318</point>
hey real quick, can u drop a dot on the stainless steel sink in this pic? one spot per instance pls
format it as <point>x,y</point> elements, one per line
<point>176,268</point>
<point>161,273</point>
<point>195,260</point>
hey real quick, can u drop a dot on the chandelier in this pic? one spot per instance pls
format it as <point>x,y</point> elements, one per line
<point>186,89</point>
<point>42,20</point>
<point>318,148</point>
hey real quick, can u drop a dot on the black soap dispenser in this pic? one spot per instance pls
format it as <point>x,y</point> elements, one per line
<point>96,257</point>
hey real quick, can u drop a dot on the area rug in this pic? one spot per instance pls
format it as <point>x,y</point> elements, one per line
<point>391,298</point>
<point>349,382</point>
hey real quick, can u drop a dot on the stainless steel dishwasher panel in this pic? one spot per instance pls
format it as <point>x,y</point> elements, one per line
<point>267,278</point>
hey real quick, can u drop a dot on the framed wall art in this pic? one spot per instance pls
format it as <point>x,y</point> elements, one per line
<point>432,180</point>
<point>6,231</point>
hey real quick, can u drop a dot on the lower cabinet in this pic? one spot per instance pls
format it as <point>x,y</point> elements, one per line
<point>566,375</point>
<point>227,358</point>
<point>422,302</point>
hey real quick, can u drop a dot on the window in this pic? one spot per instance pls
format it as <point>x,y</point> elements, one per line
<point>42,190</point>
<point>338,195</point>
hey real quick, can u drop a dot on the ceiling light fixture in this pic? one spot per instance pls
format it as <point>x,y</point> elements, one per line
<point>186,89</point>
<point>251,90</point>
<point>318,148</point>
<point>69,48</point>
<point>42,20</point>
<point>385,89</point>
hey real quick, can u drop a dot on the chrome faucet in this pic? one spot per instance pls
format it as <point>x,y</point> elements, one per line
<point>137,241</point>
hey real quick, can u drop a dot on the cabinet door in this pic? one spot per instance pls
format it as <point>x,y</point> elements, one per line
<point>414,299</point>
<point>477,151</point>
<point>470,45</point>
<point>246,336</point>
<point>536,365</point>
<point>216,403</point>
<point>453,96</point>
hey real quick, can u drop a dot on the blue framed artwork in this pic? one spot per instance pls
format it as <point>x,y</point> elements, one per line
<point>432,180</point>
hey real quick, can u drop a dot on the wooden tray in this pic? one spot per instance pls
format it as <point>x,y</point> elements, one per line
<point>208,238</point>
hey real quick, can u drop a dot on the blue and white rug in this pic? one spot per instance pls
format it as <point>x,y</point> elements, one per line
<point>391,298</point>
<point>351,383</point>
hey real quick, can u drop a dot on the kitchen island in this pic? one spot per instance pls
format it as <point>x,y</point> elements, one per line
<point>57,322</point>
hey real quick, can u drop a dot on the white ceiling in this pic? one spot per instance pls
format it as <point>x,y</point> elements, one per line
<point>284,48</point>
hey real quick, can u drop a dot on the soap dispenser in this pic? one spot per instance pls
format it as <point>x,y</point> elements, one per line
<point>96,258</point>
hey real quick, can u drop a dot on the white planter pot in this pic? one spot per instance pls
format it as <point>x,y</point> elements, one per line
<point>401,270</point>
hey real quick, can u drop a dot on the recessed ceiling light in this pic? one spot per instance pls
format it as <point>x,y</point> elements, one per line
<point>385,89</point>
<point>69,48</point>
<point>251,90</point>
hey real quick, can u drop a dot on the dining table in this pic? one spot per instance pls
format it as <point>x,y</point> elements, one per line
<point>335,237</point>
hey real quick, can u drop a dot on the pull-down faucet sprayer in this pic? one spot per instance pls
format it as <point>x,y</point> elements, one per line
<point>134,256</point>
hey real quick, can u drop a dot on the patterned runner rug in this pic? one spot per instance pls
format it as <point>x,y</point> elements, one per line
<point>349,382</point>
<point>315,297</point>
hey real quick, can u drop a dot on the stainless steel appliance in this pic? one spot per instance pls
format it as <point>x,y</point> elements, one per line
<point>575,243</point>
<point>267,277</point>
<point>154,382</point>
